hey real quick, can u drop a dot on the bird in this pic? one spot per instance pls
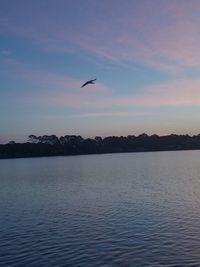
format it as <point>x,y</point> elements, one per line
<point>88,82</point>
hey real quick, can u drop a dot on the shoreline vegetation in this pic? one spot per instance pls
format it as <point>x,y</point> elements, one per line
<point>68,145</point>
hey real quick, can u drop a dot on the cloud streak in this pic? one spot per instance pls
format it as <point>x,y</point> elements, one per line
<point>159,34</point>
<point>61,91</point>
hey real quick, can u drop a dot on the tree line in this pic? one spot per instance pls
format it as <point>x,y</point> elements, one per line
<point>51,145</point>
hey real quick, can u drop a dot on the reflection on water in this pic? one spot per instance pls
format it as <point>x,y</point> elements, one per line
<point>136,209</point>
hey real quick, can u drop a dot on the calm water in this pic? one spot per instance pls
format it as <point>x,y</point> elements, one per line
<point>136,209</point>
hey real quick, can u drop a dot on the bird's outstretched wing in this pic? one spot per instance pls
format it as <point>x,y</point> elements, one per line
<point>89,82</point>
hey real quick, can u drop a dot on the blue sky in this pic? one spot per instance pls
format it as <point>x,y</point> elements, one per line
<point>144,54</point>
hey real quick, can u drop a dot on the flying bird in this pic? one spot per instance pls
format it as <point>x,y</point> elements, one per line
<point>88,82</point>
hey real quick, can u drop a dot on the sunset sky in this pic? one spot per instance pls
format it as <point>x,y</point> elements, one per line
<point>145,55</point>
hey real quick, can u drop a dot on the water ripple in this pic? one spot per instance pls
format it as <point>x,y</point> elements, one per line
<point>125,210</point>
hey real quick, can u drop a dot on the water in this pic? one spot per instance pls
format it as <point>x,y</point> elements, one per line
<point>136,209</point>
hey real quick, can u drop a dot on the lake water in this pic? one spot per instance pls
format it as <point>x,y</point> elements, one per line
<point>127,210</point>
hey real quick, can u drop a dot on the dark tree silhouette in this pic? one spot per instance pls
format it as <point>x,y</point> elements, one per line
<point>51,145</point>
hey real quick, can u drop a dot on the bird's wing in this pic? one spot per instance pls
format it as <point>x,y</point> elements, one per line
<point>84,84</point>
<point>90,81</point>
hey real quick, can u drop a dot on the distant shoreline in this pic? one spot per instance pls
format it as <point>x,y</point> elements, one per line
<point>71,145</point>
<point>105,153</point>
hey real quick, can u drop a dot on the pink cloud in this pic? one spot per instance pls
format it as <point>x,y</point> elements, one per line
<point>169,42</point>
<point>160,34</point>
<point>62,91</point>
<point>49,80</point>
<point>174,93</point>
<point>55,90</point>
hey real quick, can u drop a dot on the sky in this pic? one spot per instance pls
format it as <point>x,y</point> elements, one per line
<point>145,55</point>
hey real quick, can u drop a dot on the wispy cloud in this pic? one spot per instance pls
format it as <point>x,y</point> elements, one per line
<point>61,91</point>
<point>160,34</point>
<point>173,93</point>
<point>53,89</point>
<point>5,52</point>
<point>99,114</point>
